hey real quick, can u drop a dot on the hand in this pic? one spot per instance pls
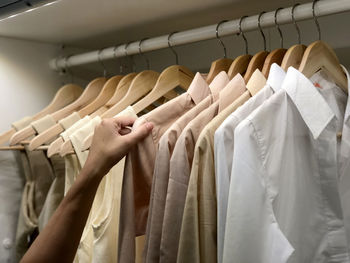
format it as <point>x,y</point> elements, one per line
<point>112,141</point>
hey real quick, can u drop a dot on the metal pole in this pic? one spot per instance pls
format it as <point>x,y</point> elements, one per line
<point>301,12</point>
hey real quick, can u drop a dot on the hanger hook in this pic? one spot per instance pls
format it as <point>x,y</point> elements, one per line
<point>115,56</point>
<point>315,19</point>
<point>140,52</point>
<point>103,65</point>
<point>260,29</point>
<point>171,48</point>
<point>65,70</point>
<point>278,26</point>
<point>295,23</point>
<point>130,56</point>
<point>218,37</point>
<point>242,34</point>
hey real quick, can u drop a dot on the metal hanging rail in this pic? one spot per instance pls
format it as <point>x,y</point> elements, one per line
<point>301,12</point>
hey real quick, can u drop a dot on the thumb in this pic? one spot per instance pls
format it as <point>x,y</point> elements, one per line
<point>139,133</point>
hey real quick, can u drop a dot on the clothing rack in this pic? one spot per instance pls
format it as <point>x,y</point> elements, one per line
<point>301,12</point>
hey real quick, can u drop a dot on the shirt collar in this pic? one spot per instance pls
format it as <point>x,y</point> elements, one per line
<point>235,88</point>
<point>199,89</point>
<point>218,83</point>
<point>276,77</point>
<point>312,107</point>
<point>256,82</point>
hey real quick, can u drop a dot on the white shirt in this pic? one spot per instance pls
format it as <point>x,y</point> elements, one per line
<point>284,203</point>
<point>224,143</point>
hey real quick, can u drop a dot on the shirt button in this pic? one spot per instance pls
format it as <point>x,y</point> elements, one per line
<point>7,243</point>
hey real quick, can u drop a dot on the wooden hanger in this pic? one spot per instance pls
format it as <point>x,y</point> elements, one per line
<point>65,95</point>
<point>119,93</point>
<point>293,57</point>
<point>319,55</point>
<point>239,65</point>
<point>295,53</point>
<point>140,86</point>
<point>257,61</point>
<point>222,64</point>
<point>90,93</point>
<point>172,77</point>
<point>105,94</point>
<point>277,55</point>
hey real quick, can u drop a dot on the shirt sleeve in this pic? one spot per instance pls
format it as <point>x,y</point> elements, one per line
<point>252,233</point>
<point>198,231</point>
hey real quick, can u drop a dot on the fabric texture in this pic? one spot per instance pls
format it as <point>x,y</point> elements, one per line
<point>22,123</point>
<point>72,165</point>
<point>55,193</point>
<point>139,168</point>
<point>180,168</point>
<point>43,124</point>
<point>84,251</point>
<point>198,239</point>
<point>284,200</point>
<point>39,176</point>
<point>69,120</point>
<point>105,223</point>
<point>11,187</point>
<point>161,171</point>
<point>224,144</point>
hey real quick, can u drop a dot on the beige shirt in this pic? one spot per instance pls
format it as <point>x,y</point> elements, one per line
<point>161,169</point>
<point>180,168</point>
<point>139,167</point>
<point>198,236</point>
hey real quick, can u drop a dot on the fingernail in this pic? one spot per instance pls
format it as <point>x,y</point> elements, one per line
<point>149,125</point>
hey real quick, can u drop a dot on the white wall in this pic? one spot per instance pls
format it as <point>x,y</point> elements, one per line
<point>26,83</point>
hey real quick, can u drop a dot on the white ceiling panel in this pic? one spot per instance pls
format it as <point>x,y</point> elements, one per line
<point>93,24</point>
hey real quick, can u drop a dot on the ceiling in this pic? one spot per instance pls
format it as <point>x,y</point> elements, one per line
<point>102,23</point>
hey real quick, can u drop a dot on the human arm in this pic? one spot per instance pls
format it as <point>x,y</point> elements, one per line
<point>59,240</point>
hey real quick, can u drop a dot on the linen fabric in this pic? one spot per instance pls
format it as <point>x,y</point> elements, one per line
<point>139,167</point>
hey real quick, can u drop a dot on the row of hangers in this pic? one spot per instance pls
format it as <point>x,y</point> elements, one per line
<point>107,97</point>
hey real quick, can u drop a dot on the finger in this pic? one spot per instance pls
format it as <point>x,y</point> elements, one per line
<point>124,120</point>
<point>140,133</point>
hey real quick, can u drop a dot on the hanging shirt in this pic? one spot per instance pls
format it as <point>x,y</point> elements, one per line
<point>180,168</point>
<point>284,203</point>
<point>224,143</point>
<point>198,231</point>
<point>161,170</point>
<point>85,248</point>
<point>39,176</point>
<point>344,167</point>
<point>139,167</point>
<point>72,166</point>
<point>12,180</point>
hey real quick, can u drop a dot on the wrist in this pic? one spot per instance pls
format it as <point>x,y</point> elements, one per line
<point>92,171</point>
